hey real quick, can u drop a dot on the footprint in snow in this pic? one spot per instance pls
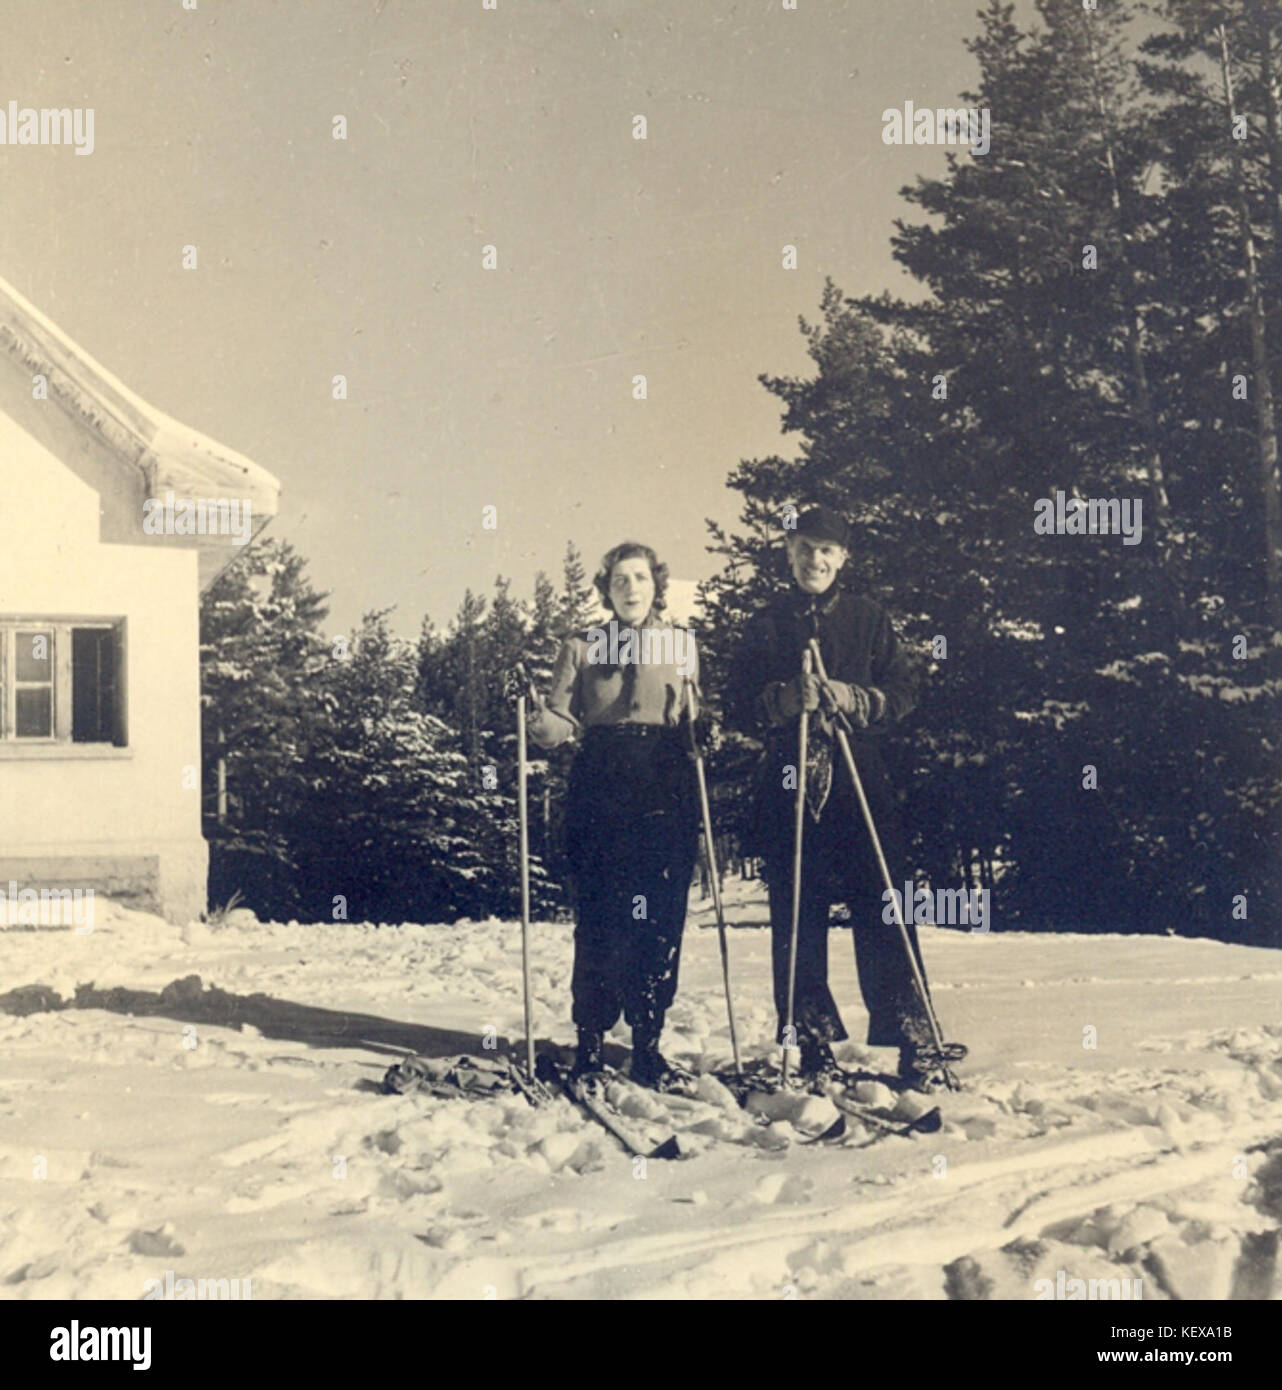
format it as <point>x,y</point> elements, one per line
<point>783,1189</point>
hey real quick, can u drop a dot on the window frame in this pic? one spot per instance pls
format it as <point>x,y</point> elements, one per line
<point>12,685</point>
<point>60,629</point>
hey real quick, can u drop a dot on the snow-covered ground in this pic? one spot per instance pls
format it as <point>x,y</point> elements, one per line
<point>231,1126</point>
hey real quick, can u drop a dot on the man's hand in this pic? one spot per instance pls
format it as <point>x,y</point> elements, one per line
<point>791,697</point>
<point>852,700</point>
<point>516,683</point>
<point>862,707</point>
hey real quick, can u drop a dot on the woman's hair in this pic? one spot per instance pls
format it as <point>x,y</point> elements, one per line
<point>629,550</point>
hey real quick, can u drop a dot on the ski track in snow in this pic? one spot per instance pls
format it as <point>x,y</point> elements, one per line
<point>206,1101</point>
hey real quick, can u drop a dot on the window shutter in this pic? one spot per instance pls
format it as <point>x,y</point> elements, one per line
<point>119,734</point>
<point>93,685</point>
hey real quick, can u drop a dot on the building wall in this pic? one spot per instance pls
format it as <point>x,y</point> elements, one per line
<point>124,813</point>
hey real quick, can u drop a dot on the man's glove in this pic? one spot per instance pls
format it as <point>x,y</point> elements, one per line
<point>862,707</point>
<point>516,683</point>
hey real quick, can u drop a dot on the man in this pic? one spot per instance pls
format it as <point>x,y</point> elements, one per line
<point>872,684</point>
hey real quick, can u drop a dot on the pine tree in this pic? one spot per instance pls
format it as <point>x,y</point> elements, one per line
<point>400,826</point>
<point>461,681</point>
<point>543,639</point>
<point>1222,163</point>
<point>1029,367</point>
<point>578,597</point>
<point>261,647</point>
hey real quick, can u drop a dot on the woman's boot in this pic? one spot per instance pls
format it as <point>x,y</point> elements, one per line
<point>651,1068</point>
<point>590,1056</point>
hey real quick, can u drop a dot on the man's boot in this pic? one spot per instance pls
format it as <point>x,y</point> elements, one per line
<point>922,1067</point>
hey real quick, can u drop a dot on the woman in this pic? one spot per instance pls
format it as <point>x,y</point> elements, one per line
<point>632,817</point>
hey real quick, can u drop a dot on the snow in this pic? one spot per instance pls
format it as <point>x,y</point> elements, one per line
<point>207,1102</point>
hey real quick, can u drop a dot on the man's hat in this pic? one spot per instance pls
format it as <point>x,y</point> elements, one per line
<point>824,524</point>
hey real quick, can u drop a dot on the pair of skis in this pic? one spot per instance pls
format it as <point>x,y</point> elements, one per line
<point>476,1077</point>
<point>870,1116</point>
<point>587,1096</point>
<point>585,1093</point>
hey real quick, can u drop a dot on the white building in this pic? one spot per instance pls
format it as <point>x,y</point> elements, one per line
<point>99,668</point>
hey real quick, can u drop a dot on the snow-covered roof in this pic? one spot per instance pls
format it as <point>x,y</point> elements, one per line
<point>168,454</point>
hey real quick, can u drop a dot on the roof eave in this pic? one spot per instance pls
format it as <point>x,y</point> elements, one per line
<point>168,453</point>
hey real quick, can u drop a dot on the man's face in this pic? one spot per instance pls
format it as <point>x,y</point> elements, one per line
<point>815,564</point>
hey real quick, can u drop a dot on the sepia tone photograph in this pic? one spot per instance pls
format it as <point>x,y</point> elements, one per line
<point>640,660</point>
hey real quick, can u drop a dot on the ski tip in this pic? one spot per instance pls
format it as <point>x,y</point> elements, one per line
<point>836,1130</point>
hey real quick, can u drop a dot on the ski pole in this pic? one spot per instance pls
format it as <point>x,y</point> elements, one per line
<point>799,823</point>
<point>842,728</point>
<point>710,850</point>
<point>522,772</point>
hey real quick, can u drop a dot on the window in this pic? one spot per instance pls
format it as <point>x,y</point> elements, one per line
<point>33,682</point>
<point>61,682</point>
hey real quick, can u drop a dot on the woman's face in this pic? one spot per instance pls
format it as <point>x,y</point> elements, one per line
<point>631,589</point>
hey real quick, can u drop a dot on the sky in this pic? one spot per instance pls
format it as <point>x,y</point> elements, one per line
<point>468,388</point>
